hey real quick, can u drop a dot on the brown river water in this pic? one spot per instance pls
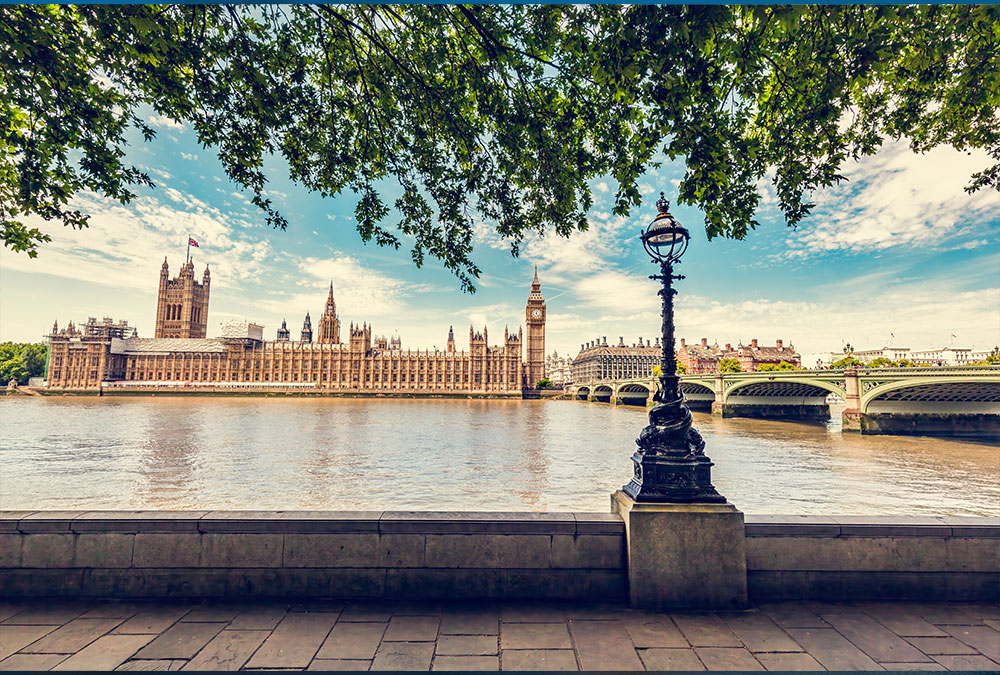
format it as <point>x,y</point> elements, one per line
<point>470,455</point>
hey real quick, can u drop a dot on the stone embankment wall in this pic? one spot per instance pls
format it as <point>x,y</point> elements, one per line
<point>312,554</point>
<point>571,556</point>
<point>860,557</point>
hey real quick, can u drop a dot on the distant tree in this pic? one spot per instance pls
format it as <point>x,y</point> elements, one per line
<point>905,363</point>
<point>881,362</point>
<point>765,367</point>
<point>730,366</point>
<point>544,383</point>
<point>436,117</point>
<point>657,371</point>
<point>847,362</point>
<point>21,361</point>
<point>785,365</point>
<point>994,356</point>
<point>681,368</point>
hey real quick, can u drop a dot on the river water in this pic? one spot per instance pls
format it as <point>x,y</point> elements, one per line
<point>474,455</point>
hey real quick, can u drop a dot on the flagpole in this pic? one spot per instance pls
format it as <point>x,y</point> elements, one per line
<point>188,250</point>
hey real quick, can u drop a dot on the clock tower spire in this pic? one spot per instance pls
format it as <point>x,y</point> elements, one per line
<point>534,317</point>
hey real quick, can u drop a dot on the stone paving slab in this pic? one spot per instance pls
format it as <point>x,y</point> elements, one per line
<point>106,653</point>
<point>333,635</point>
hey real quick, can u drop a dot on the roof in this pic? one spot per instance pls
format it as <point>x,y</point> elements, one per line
<point>166,345</point>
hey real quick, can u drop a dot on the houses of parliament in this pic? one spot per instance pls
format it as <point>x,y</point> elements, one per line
<point>105,354</point>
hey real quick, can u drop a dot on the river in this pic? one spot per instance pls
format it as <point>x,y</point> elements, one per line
<point>432,454</point>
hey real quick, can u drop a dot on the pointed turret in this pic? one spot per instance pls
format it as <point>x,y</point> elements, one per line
<point>307,333</point>
<point>451,339</point>
<point>206,278</point>
<point>284,335</point>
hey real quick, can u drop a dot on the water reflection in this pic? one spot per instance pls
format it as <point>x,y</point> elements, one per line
<point>253,453</point>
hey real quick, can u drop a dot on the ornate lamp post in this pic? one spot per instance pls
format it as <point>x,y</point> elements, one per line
<point>670,464</point>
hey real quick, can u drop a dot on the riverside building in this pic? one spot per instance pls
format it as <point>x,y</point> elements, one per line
<point>599,361</point>
<point>112,355</point>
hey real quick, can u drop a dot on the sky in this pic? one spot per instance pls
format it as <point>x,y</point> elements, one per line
<point>899,254</point>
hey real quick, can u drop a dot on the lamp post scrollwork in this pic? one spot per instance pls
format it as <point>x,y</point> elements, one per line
<point>670,462</point>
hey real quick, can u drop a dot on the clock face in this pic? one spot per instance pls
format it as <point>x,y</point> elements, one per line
<point>536,314</point>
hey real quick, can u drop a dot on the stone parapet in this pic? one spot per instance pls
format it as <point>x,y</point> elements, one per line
<point>873,557</point>
<point>363,554</point>
<point>376,554</point>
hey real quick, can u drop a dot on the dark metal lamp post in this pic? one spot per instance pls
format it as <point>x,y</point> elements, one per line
<point>670,464</point>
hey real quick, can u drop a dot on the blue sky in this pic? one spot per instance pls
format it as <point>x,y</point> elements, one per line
<point>898,249</point>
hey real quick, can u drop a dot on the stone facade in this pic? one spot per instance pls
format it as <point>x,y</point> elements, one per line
<point>754,355</point>
<point>700,358</point>
<point>704,358</point>
<point>534,319</point>
<point>559,369</point>
<point>182,303</point>
<point>364,363</point>
<point>599,361</point>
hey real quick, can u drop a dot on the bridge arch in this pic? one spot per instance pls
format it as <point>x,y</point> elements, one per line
<point>634,393</point>
<point>602,392</point>
<point>583,393</point>
<point>697,388</point>
<point>785,386</point>
<point>939,390</point>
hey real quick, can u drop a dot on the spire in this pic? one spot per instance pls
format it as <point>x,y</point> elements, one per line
<point>451,332</point>
<point>329,298</point>
<point>535,280</point>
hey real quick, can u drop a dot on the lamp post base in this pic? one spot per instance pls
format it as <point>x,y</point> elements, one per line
<point>673,478</point>
<point>684,556</point>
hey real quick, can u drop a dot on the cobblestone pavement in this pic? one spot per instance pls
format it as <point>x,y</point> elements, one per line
<point>98,635</point>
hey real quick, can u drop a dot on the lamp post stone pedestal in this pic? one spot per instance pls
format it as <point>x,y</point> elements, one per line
<point>686,546</point>
<point>683,556</point>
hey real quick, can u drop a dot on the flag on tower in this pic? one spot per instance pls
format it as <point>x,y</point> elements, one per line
<point>192,242</point>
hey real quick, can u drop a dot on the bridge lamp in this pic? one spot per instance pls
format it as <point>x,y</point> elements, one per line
<point>670,464</point>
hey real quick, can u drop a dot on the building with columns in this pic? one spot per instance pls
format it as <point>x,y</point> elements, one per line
<point>109,357</point>
<point>598,360</point>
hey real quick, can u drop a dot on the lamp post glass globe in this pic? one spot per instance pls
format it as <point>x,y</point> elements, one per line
<point>665,240</point>
<point>670,464</point>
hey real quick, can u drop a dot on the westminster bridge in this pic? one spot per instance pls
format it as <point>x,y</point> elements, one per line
<point>961,400</point>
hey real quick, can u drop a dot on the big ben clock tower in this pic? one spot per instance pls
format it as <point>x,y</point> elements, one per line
<point>534,317</point>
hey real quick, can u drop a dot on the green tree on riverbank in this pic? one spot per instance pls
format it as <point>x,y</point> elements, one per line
<point>22,361</point>
<point>730,366</point>
<point>784,365</point>
<point>437,117</point>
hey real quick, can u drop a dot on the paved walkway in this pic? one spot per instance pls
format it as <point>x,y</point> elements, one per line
<point>43,635</point>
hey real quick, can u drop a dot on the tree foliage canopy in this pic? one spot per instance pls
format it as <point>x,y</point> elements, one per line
<point>784,365</point>
<point>439,116</point>
<point>730,365</point>
<point>21,361</point>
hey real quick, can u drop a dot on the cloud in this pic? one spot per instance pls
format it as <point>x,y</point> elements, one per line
<point>897,199</point>
<point>602,186</point>
<point>359,290</point>
<point>166,122</point>
<point>160,172</point>
<point>125,244</point>
<point>970,245</point>
<point>189,156</point>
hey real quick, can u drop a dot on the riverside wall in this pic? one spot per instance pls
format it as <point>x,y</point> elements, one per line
<point>559,556</point>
